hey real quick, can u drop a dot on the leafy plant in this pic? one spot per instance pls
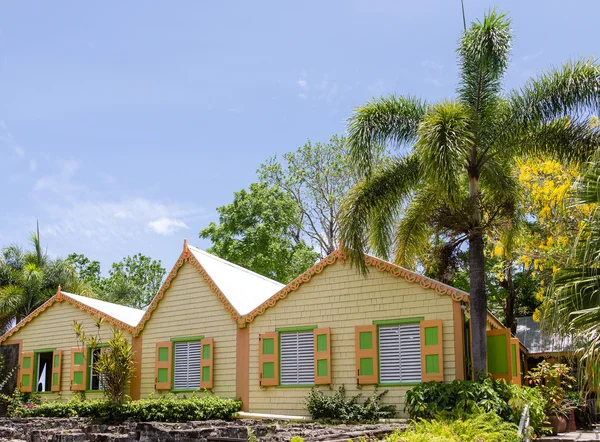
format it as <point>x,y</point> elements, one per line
<point>165,409</point>
<point>483,427</point>
<point>522,396</point>
<point>336,408</point>
<point>553,381</point>
<point>428,399</point>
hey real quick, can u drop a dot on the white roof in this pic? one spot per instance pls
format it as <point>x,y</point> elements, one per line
<point>128,315</point>
<point>244,289</point>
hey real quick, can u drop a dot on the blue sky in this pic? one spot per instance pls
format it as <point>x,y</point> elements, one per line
<point>123,125</point>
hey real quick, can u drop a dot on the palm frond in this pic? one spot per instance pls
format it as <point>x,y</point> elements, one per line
<point>444,146</point>
<point>377,197</point>
<point>386,120</point>
<point>414,228</point>
<point>571,90</point>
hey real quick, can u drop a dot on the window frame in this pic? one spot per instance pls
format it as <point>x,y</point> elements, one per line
<point>299,329</point>
<point>34,381</point>
<point>388,323</point>
<point>89,368</point>
<point>173,342</point>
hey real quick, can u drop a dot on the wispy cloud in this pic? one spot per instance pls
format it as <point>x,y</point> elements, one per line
<point>303,84</point>
<point>532,56</point>
<point>167,226</point>
<point>432,72</point>
<point>62,180</point>
<point>32,165</point>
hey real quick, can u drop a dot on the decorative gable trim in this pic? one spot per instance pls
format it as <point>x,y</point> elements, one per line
<point>63,297</point>
<point>370,261</point>
<point>187,257</point>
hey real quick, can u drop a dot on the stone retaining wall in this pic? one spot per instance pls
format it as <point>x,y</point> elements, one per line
<point>82,430</point>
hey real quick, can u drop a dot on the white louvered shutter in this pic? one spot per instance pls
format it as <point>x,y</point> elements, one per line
<point>187,365</point>
<point>400,353</point>
<point>297,356</point>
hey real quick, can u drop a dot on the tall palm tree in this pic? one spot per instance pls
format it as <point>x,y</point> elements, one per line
<point>573,305</point>
<point>30,278</point>
<point>455,173</point>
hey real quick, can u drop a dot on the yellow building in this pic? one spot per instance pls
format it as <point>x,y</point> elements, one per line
<point>217,326</point>
<point>52,361</point>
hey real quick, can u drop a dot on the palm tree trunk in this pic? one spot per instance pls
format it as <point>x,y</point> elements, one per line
<point>477,284</point>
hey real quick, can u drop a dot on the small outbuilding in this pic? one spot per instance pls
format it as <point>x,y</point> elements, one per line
<point>52,361</point>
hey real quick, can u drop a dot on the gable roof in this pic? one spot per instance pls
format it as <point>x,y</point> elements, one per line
<point>244,289</point>
<point>120,316</point>
<point>238,289</point>
<point>370,261</point>
<point>531,335</point>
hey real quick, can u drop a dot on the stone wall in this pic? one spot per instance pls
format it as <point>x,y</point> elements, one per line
<point>82,430</point>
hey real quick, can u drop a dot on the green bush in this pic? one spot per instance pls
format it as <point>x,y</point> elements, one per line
<point>463,398</point>
<point>428,399</point>
<point>484,427</point>
<point>164,409</point>
<point>336,408</point>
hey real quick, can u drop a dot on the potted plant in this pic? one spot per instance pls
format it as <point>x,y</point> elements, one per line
<point>553,381</point>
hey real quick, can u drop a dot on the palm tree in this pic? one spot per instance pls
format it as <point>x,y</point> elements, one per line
<point>30,278</point>
<point>455,173</point>
<point>573,306</point>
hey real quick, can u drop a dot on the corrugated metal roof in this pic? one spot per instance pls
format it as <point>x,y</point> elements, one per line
<point>244,289</point>
<point>128,315</point>
<point>531,336</point>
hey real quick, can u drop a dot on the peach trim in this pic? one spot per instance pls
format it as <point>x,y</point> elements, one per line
<point>459,340</point>
<point>242,367</point>
<point>370,261</point>
<point>135,386</point>
<point>60,297</point>
<point>187,257</point>
<point>494,322</point>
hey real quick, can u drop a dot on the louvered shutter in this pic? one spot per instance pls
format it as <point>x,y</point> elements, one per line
<point>56,369</point>
<point>322,350</point>
<point>187,365</point>
<point>297,358</point>
<point>365,342</point>
<point>162,365</point>
<point>399,353</point>
<point>499,359</point>
<point>206,380</point>
<point>26,372</point>
<point>515,360</point>
<point>432,352</point>
<point>78,369</point>
<point>268,359</point>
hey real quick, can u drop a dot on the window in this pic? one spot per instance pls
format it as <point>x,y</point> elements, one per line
<point>96,382</point>
<point>187,365</point>
<point>44,371</point>
<point>297,358</point>
<point>400,353</point>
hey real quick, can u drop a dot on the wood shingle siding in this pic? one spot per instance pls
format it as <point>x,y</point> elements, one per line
<point>341,299</point>
<point>190,308</point>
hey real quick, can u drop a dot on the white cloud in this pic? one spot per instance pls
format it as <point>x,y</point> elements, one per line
<point>19,150</point>
<point>167,226</point>
<point>301,95</point>
<point>432,72</point>
<point>303,84</point>
<point>61,181</point>
<point>33,165</point>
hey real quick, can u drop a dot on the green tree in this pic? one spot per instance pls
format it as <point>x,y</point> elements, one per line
<point>260,230</point>
<point>88,271</point>
<point>572,307</point>
<point>29,278</point>
<point>457,178</point>
<point>316,176</point>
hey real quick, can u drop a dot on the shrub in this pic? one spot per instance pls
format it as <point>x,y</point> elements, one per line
<point>532,396</point>
<point>336,408</point>
<point>428,399</point>
<point>484,427</point>
<point>164,409</point>
<point>115,367</point>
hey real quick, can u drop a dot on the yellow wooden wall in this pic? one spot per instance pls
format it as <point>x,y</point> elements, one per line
<point>53,328</point>
<point>190,308</point>
<point>340,298</point>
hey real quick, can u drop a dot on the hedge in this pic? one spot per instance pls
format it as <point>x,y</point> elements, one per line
<point>164,409</point>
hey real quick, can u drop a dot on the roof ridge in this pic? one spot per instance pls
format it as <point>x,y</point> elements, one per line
<point>103,301</point>
<point>224,261</point>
